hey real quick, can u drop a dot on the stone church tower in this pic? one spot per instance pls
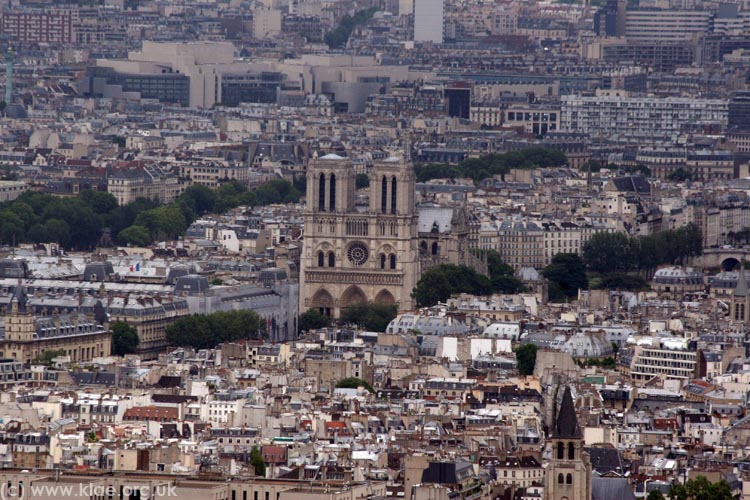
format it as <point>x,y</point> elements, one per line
<point>358,254</point>
<point>739,308</point>
<point>568,475</point>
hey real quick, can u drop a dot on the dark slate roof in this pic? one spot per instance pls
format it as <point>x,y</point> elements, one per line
<point>632,184</point>
<point>566,425</point>
<point>605,460</point>
<point>446,472</point>
<point>93,378</point>
<point>608,488</point>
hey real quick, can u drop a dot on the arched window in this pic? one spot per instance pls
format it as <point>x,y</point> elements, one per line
<point>560,479</point>
<point>332,194</point>
<point>569,479</point>
<point>322,193</point>
<point>571,451</point>
<point>560,451</point>
<point>382,261</point>
<point>393,194</point>
<point>435,248</point>
<point>384,195</point>
<point>331,260</point>
<point>321,260</point>
<point>423,246</point>
<point>393,261</point>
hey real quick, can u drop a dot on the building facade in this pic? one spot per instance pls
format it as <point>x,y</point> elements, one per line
<point>353,256</point>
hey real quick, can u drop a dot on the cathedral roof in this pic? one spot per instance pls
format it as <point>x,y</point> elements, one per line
<point>566,425</point>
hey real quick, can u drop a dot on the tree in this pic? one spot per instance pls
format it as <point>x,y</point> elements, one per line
<point>610,252</point>
<point>47,356</point>
<point>622,281</point>
<point>439,283</point>
<point>135,235</point>
<point>502,276</point>
<point>526,358</point>
<point>256,460</point>
<point>202,331</point>
<point>124,338</point>
<point>313,319</point>
<point>353,383</point>
<point>680,175</point>
<point>655,495</point>
<point>700,488</point>
<point>200,199</point>
<point>372,316</point>
<point>567,274</point>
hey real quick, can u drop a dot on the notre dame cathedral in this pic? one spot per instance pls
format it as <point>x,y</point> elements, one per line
<point>374,253</point>
<point>351,255</point>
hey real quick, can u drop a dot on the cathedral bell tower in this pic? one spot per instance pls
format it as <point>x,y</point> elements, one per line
<point>357,254</point>
<point>568,475</point>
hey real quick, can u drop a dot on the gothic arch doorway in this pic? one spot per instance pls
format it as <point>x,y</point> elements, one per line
<point>385,297</point>
<point>353,295</point>
<point>323,302</point>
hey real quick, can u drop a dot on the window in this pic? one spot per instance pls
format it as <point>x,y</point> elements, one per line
<point>571,451</point>
<point>382,261</point>
<point>569,479</point>
<point>332,194</point>
<point>393,195</point>
<point>322,193</point>
<point>393,261</point>
<point>560,479</point>
<point>321,260</point>
<point>331,259</point>
<point>435,248</point>
<point>560,451</point>
<point>384,195</point>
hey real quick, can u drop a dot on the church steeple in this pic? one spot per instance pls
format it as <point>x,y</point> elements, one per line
<point>566,425</point>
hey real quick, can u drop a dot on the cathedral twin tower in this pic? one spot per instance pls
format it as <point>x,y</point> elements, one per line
<point>357,254</point>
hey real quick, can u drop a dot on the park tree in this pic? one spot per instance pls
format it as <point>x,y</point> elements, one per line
<point>256,460</point>
<point>202,331</point>
<point>124,338</point>
<point>611,252</point>
<point>134,235</point>
<point>313,319</point>
<point>526,358</point>
<point>566,274</point>
<point>439,283</point>
<point>353,383</point>
<point>372,316</point>
<point>655,495</point>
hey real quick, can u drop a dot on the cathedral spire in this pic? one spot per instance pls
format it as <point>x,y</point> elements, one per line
<point>566,425</point>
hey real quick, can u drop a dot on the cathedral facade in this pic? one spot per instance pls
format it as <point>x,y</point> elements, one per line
<point>353,254</point>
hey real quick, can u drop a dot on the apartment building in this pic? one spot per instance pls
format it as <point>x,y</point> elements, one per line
<point>213,174</point>
<point>640,118</point>
<point>55,26</point>
<point>535,243</point>
<point>667,25</point>
<point>666,361</point>
<point>149,181</point>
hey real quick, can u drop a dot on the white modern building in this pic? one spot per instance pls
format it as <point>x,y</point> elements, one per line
<point>428,20</point>
<point>640,117</point>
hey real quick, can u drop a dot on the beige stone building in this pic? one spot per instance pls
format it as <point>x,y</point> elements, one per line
<point>28,337</point>
<point>147,182</point>
<point>353,255</point>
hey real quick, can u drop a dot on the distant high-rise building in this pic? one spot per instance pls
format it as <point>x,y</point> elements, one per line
<point>458,98</point>
<point>428,21</point>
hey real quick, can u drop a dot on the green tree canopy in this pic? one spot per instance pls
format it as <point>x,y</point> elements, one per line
<point>566,274</point>
<point>372,316</point>
<point>700,488</point>
<point>312,319</point>
<point>493,164</point>
<point>526,358</point>
<point>655,495</point>
<point>202,331</point>
<point>439,283</point>
<point>124,338</point>
<point>256,460</point>
<point>137,236</point>
<point>353,383</point>
<point>611,252</point>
